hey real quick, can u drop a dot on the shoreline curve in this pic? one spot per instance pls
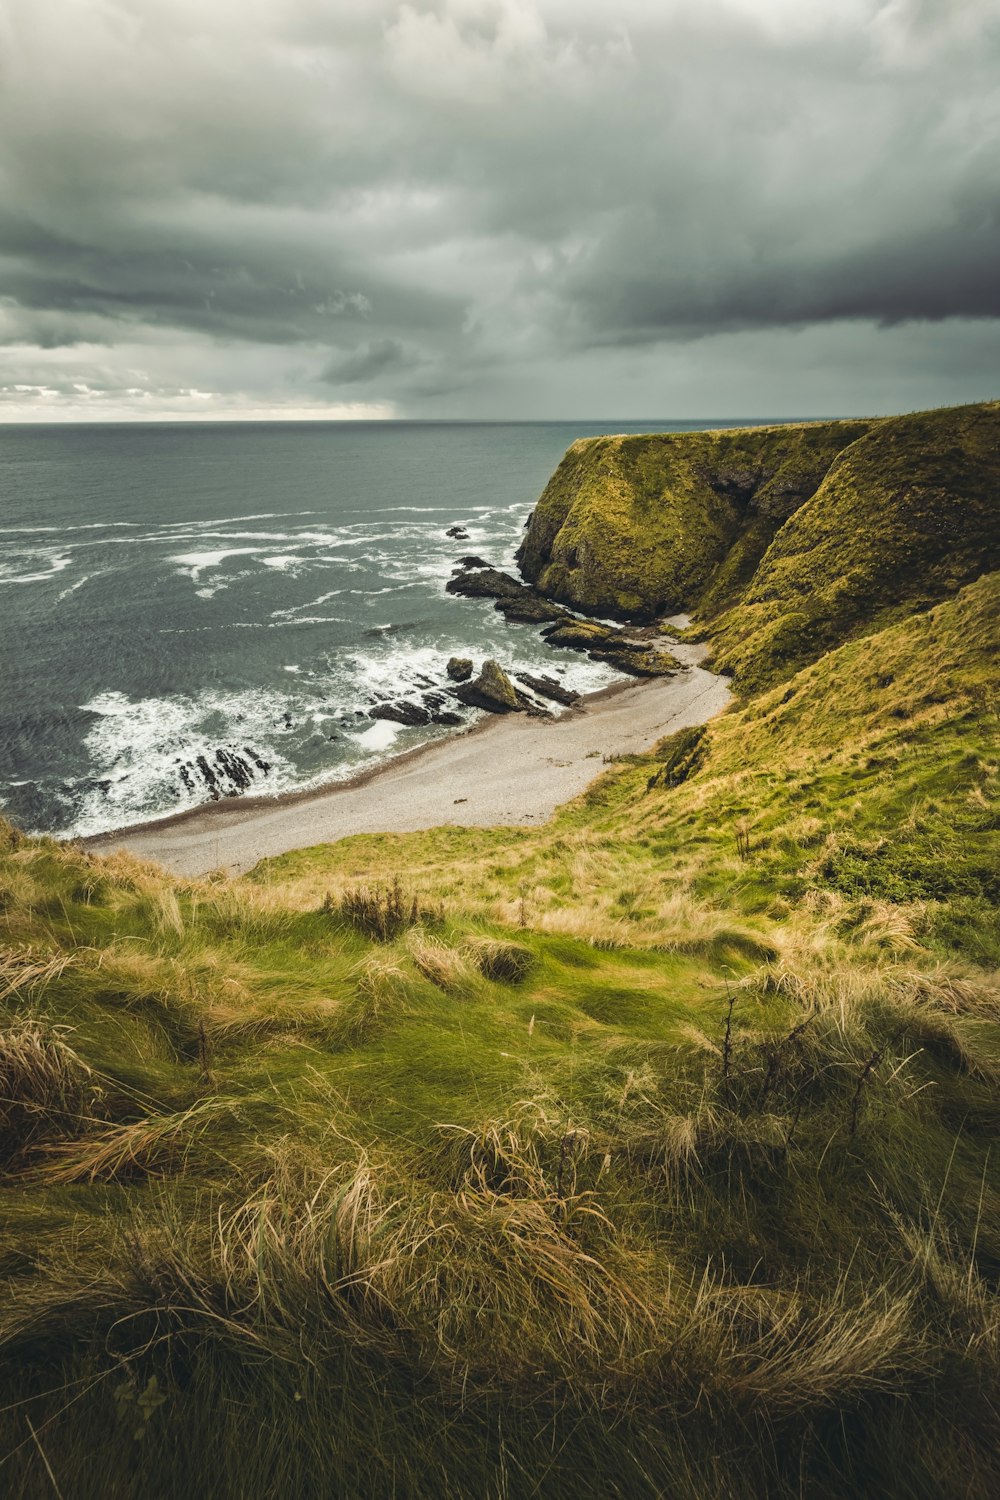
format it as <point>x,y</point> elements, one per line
<point>510,770</point>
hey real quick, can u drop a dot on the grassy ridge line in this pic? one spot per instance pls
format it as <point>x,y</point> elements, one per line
<point>784,541</point>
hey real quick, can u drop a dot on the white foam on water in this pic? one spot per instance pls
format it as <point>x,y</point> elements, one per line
<point>137,747</point>
<point>379,737</point>
<point>58,563</point>
<point>73,587</point>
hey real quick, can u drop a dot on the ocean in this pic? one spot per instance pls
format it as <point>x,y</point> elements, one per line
<point>194,609</point>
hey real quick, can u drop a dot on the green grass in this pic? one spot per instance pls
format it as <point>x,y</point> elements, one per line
<point>651,1152</point>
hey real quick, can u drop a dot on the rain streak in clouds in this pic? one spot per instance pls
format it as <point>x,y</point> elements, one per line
<point>497,207</point>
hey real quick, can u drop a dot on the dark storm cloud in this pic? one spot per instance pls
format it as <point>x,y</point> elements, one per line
<point>458,201</point>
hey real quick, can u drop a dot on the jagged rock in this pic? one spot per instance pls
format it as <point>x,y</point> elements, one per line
<point>459,669</point>
<point>459,533</point>
<point>485,583</point>
<point>410,714</point>
<point>446,717</point>
<point>471,561</point>
<point>548,687</point>
<point>492,690</point>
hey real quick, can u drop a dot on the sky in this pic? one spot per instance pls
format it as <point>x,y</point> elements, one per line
<point>497,208</point>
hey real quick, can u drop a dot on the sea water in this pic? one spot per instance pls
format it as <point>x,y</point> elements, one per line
<point>238,596</point>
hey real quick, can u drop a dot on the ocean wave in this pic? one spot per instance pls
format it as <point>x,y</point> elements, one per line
<point>10,572</point>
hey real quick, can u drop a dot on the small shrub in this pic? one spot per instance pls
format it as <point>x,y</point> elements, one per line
<point>382,912</point>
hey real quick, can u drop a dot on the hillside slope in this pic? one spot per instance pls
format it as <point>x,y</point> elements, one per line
<point>648,1153</point>
<point>780,541</point>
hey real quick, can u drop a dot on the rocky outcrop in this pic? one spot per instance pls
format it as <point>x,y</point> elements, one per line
<point>638,656</point>
<point>493,691</point>
<point>635,527</point>
<point>485,583</point>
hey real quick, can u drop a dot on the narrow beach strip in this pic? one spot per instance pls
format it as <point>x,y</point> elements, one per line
<point>506,770</point>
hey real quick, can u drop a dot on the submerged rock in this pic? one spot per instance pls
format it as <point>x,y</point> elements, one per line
<point>459,669</point>
<point>459,533</point>
<point>410,714</point>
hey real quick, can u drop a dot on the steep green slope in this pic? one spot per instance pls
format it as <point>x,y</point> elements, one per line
<point>783,541</point>
<point>906,516</point>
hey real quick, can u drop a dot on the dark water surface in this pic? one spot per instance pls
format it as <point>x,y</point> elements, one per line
<point>243,593</point>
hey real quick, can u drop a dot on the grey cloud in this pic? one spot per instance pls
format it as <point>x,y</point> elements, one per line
<point>436,203</point>
<point>370,360</point>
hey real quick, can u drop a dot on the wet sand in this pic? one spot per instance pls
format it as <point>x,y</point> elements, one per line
<point>507,770</point>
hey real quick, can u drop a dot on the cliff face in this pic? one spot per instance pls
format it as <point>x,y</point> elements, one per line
<point>640,526</point>
<point>781,541</point>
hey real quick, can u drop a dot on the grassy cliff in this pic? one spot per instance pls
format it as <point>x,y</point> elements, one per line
<point>783,541</point>
<point>651,1152</point>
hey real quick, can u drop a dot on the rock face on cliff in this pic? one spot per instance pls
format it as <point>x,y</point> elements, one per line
<point>780,541</point>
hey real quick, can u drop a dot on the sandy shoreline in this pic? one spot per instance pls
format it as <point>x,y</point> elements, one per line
<point>511,770</point>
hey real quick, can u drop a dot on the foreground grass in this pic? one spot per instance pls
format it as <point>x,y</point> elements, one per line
<point>649,1153</point>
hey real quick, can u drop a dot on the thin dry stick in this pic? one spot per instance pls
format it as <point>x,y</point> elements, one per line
<point>727,1043</point>
<point>41,1451</point>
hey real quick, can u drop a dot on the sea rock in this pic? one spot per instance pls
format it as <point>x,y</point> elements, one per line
<point>548,687</point>
<point>446,717</point>
<point>471,561</point>
<point>485,583</point>
<point>492,690</point>
<point>402,712</point>
<point>459,533</point>
<point>584,635</point>
<point>514,600</point>
<point>459,669</point>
